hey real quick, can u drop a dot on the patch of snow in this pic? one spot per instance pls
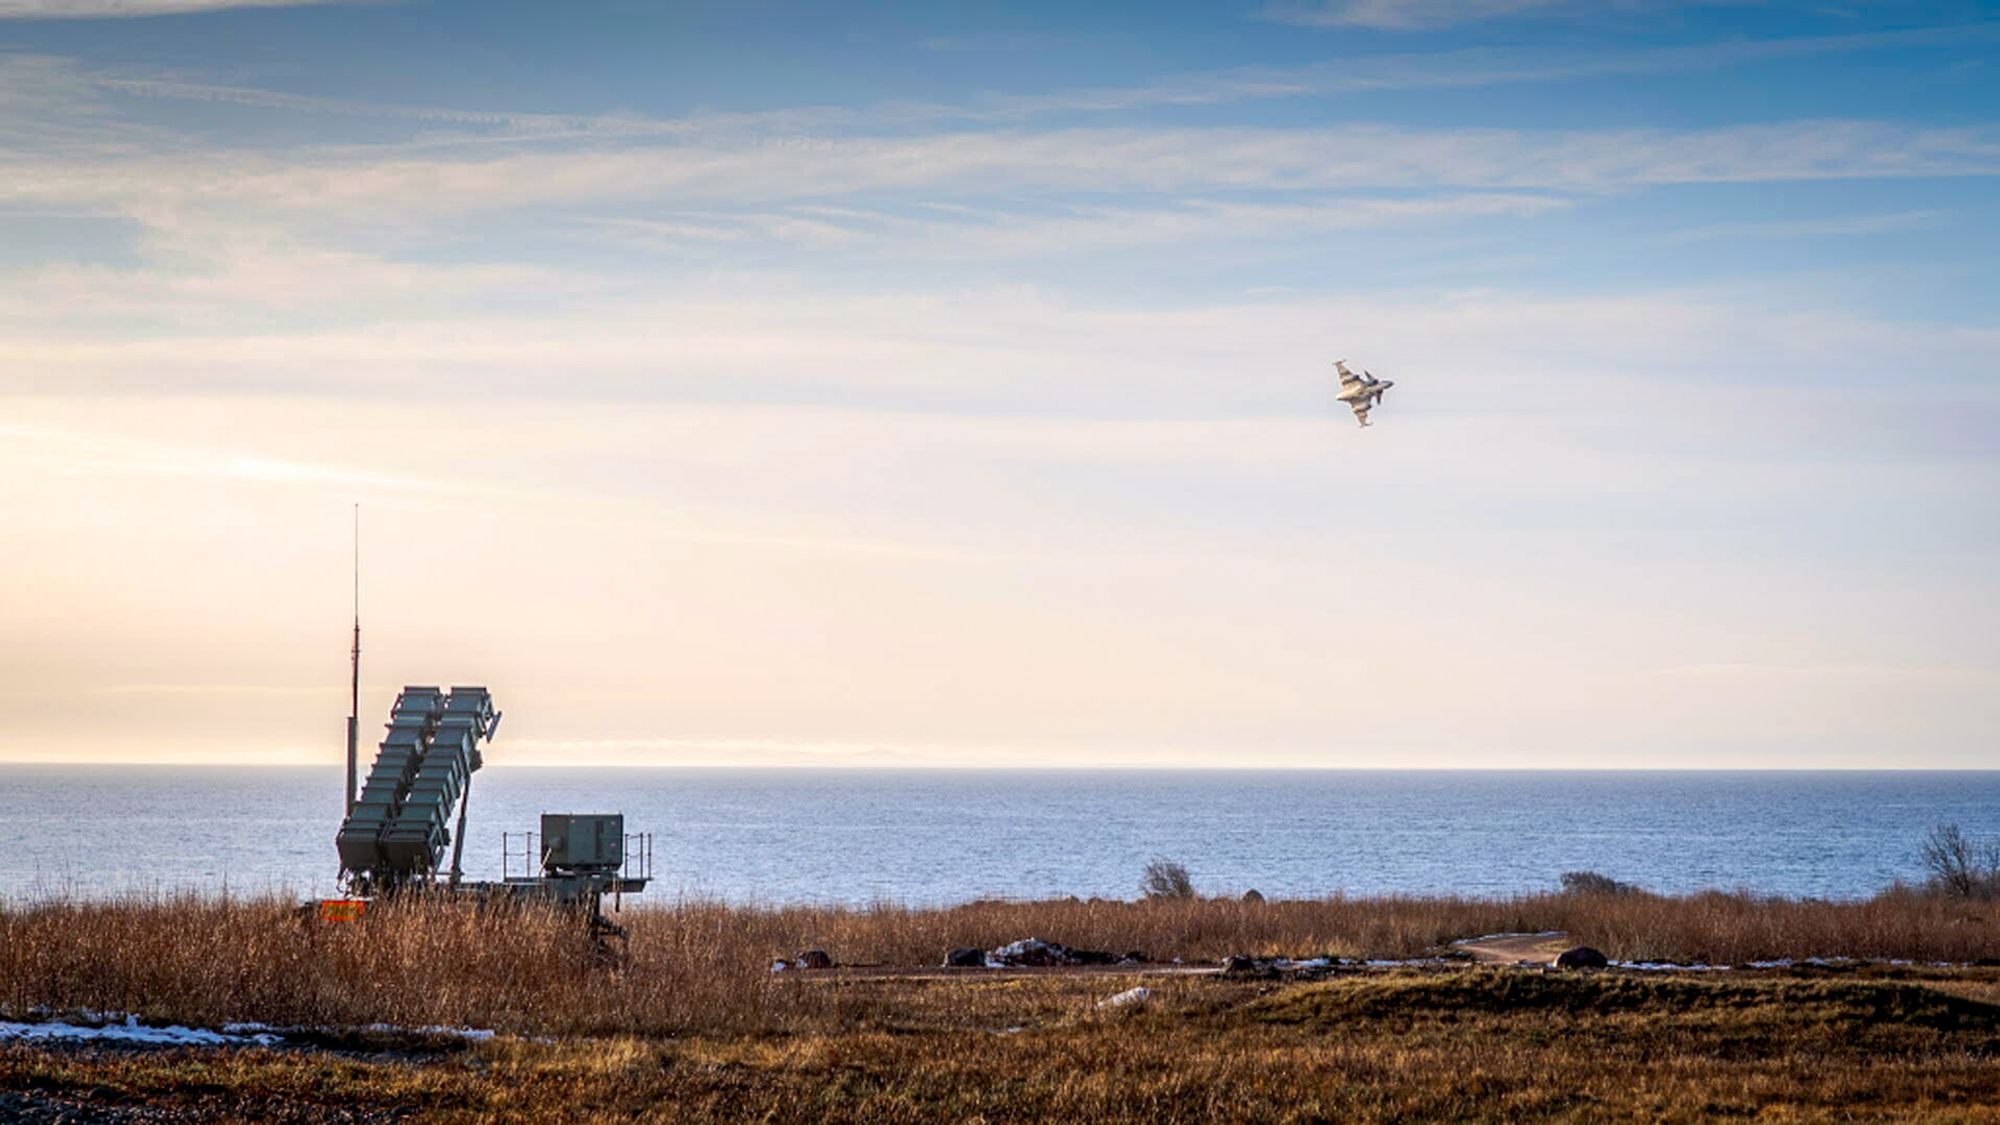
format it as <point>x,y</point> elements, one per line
<point>117,1027</point>
<point>1667,967</point>
<point>130,1031</point>
<point>1835,962</point>
<point>1126,998</point>
<point>1285,964</point>
<point>470,1034</point>
<point>275,1034</point>
<point>1499,937</point>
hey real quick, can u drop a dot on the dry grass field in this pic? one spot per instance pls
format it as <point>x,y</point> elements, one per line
<point>691,1024</point>
<point>697,967</point>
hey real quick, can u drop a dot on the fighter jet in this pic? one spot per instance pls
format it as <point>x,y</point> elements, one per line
<point>1362,392</point>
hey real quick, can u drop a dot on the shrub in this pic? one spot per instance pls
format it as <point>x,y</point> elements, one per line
<point>1591,883</point>
<point>1958,868</point>
<point>1166,879</point>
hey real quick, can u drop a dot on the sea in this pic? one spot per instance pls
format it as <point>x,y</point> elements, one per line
<point>932,837</point>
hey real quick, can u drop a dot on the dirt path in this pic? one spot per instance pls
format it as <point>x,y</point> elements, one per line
<point>1512,949</point>
<point>898,972</point>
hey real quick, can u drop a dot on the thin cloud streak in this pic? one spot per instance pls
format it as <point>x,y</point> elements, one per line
<point>1461,69</point>
<point>1002,235</point>
<point>1427,15</point>
<point>529,125</point>
<point>215,690</point>
<point>128,9</point>
<point>361,185</point>
<point>1402,15</point>
<point>72,452</point>
<point>1849,676</point>
<point>1838,227</point>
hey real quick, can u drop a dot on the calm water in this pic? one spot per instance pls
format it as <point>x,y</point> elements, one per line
<point>932,837</point>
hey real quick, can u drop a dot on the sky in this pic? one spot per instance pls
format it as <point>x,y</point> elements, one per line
<point>761,383</point>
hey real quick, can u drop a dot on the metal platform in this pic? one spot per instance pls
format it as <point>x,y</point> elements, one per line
<point>576,857</point>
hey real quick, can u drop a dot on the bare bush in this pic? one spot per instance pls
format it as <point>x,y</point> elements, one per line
<point>1166,879</point>
<point>1958,867</point>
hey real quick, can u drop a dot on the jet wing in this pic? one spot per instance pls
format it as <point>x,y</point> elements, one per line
<point>1347,378</point>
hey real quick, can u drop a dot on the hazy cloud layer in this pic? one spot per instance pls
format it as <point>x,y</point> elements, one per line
<point>1000,430</point>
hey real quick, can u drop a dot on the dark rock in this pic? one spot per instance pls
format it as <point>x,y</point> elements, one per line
<point>815,959</point>
<point>1253,896</point>
<point>1582,957</point>
<point>1033,952</point>
<point>1135,957</point>
<point>1030,953</point>
<point>966,957</point>
<point>1280,968</point>
<point>1036,953</point>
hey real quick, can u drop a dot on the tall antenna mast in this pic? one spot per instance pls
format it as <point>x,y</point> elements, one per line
<point>354,683</point>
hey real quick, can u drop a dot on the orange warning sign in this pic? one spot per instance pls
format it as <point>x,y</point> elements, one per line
<point>342,909</point>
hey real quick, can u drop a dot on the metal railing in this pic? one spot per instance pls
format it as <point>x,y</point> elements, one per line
<point>529,856</point>
<point>637,862</point>
<point>638,856</point>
